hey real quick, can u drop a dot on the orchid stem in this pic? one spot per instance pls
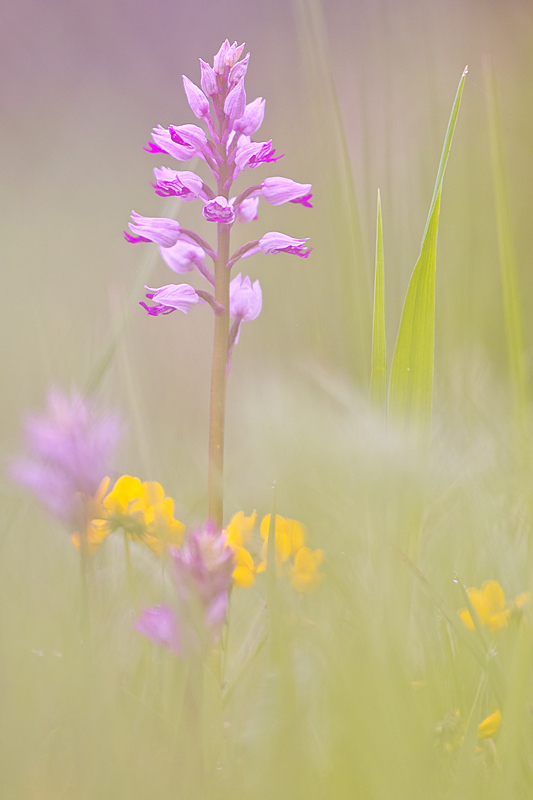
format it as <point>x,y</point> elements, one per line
<point>217,411</point>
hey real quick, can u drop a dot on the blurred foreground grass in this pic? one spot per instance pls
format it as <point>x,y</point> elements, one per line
<point>371,686</point>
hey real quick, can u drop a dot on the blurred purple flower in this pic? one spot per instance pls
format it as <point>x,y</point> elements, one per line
<point>203,572</point>
<point>69,446</point>
<point>159,624</point>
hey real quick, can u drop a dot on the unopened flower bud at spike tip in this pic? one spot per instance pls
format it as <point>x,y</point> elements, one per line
<point>227,56</point>
<point>238,72</point>
<point>252,119</point>
<point>196,98</point>
<point>208,80</point>
<point>235,102</point>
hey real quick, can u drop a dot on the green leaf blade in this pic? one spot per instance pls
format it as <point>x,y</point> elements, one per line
<point>378,380</point>
<point>411,383</point>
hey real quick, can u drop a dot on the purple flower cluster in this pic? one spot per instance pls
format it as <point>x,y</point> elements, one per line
<point>228,150</point>
<point>69,447</point>
<point>203,570</point>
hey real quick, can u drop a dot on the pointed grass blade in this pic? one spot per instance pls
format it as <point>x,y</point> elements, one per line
<point>411,383</point>
<point>378,380</point>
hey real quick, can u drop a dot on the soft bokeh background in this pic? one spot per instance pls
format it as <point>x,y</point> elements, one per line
<point>83,85</point>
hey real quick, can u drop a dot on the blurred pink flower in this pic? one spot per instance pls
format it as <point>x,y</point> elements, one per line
<point>203,572</point>
<point>69,448</point>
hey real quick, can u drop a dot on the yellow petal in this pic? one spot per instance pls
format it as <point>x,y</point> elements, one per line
<point>304,575</point>
<point>240,528</point>
<point>125,490</point>
<point>498,621</point>
<point>243,558</point>
<point>242,576</point>
<point>466,618</point>
<point>489,727</point>
<point>494,597</point>
<point>97,531</point>
<point>294,531</point>
<point>522,599</point>
<point>152,493</point>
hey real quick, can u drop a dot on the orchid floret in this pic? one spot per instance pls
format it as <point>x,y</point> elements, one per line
<point>184,184</point>
<point>196,99</point>
<point>183,256</point>
<point>252,119</point>
<point>161,230</point>
<point>274,242</point>
<point>283,190</point>
<point>169,298</point>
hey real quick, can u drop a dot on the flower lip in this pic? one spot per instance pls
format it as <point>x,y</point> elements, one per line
<point>184,184</point>
<point>182,142</point>
<point>254,154</point>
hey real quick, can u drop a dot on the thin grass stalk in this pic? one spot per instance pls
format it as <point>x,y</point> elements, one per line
<point>514,325</point>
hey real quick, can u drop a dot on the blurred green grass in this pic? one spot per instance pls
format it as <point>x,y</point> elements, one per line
<point>333,713</point>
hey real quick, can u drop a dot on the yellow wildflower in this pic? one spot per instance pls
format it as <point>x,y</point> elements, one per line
<point>240,528</point>
<point>304,575</point>
<point>141,510</point>
<point>244,572</point>
<point>238,533</point>
<point>489,603</point>
<point>489,727</point>
<point>293,558</point>
<point>290,537</point>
